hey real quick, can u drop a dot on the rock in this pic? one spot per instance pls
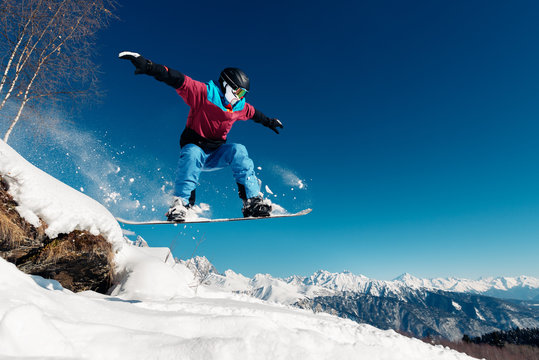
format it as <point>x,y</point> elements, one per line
<point>79,260</point>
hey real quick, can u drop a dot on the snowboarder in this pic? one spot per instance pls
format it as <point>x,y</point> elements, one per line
<point>213,110</point>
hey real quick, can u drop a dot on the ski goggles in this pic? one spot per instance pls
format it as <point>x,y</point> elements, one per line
<point>236,90</point>
<point>240,92</point>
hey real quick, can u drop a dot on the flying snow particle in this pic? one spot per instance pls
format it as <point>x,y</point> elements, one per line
<point>268,190</point>
<point>113,197</point>
<point>289,177</point>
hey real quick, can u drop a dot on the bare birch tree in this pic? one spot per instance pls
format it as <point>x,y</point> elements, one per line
<point>47,50</point>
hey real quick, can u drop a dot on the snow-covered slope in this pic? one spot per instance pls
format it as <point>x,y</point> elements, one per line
<point>64,209</point>
<point>38,318</point>
<point>158,309</point>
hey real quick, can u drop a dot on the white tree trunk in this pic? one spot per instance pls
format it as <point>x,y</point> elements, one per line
<point>15,121</point>
<point>8,67</point>
<point>23,104</point>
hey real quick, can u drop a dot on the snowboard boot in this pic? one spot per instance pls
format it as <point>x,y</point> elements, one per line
<point>178,211</point>
<point>256,207</point>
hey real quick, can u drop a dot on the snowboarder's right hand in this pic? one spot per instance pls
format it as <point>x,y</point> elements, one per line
<point>142,65</point>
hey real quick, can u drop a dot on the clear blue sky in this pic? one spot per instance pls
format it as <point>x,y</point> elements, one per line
<point>414,125</point>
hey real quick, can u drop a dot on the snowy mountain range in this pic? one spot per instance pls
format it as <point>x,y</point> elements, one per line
<point>447,308</point>
<point>324,283</point>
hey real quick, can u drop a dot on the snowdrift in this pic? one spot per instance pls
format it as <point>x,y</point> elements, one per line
<point>38,318</point>
<point>64,209</point>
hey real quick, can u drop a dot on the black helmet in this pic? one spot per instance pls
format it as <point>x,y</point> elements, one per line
<point>235,78</point>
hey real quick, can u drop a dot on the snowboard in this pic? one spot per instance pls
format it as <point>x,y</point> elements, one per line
<point>204,220</point>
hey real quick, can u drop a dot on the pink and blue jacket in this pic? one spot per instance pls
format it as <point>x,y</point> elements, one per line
<point>208,116</point>
<point>210,119</point>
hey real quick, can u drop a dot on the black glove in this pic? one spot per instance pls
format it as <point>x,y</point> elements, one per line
<point>272,123</point>
<point>142,65</point>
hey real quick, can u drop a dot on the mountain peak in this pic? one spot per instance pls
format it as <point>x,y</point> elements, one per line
<point>200,265</point>
<point>406,278</point>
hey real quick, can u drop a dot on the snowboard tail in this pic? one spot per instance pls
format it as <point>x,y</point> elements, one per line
<point>204,220</point>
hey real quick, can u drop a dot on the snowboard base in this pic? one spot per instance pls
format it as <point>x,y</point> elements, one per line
<point>204,220</point>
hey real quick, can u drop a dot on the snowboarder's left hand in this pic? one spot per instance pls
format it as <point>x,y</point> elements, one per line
<point>273,124</point>
<point>142,65</point>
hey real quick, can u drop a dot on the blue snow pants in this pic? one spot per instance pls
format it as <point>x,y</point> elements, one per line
<point>193,160</point>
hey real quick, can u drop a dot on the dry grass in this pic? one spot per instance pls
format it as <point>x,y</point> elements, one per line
<point>13,229</point>
<point>10,232</point>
